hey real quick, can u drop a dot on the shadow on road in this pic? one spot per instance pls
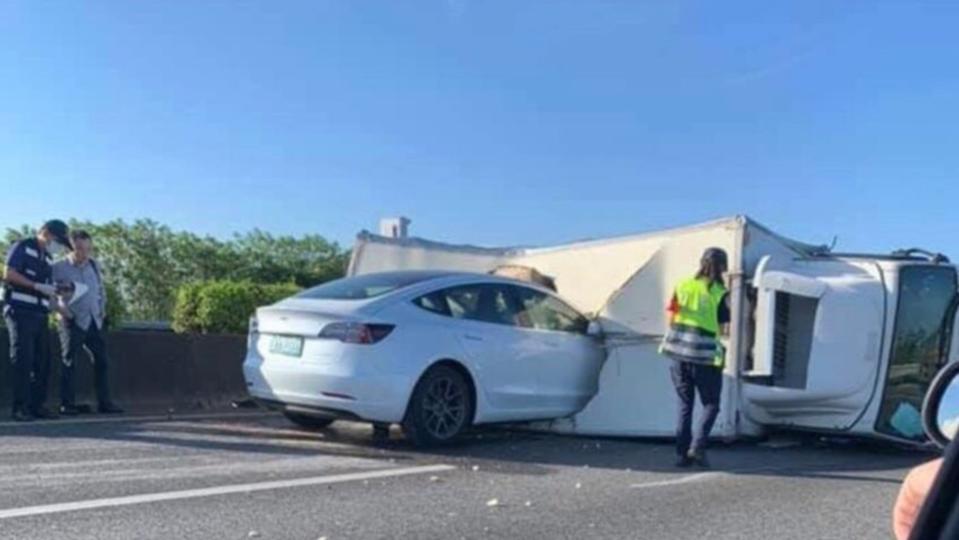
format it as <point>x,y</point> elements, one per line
<point>494,449</point>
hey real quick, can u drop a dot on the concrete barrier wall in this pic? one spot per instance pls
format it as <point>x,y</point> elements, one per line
<point>151,370</point>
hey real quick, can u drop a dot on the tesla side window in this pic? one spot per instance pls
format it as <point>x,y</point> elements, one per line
<point>480,302</point>
<point>435,302</point>
<point>543,312</point>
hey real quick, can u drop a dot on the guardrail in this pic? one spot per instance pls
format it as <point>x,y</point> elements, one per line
<point>151,370</point>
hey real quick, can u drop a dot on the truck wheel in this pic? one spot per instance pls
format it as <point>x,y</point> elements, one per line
<point>441,408</point>
<point>308,422</point>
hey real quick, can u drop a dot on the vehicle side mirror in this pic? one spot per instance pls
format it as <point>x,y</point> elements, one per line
<point>594,330</point>
<point>940,410</point>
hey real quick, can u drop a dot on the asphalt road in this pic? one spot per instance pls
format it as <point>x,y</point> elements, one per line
<point>255,476</point>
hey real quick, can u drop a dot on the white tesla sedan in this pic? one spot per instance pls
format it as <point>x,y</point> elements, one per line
<point>434,351</point>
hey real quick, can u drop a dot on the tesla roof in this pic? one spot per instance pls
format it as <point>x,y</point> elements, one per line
<point>412,277</point>
<point>422,275</point>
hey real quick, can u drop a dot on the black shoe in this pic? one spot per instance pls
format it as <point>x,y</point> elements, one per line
<point>69,410</point>
<point>684,462</point>
<point>83,408</point>
<point>109,408</point>
<point>21,416</point>
<point>43,413</point>
<point>699,459</point>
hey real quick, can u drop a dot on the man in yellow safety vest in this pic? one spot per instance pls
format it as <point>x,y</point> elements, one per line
<point>698,311</point>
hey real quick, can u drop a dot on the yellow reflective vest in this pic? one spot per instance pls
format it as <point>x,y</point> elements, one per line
<point>694,329</point>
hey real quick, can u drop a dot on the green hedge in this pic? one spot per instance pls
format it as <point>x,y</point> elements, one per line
<point>224,306</point>
<point>116,306</point>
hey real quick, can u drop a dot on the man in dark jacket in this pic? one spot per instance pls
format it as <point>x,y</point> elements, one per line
<point>27,295</point>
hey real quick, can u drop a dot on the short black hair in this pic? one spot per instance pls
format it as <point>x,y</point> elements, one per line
<point>79,234</point>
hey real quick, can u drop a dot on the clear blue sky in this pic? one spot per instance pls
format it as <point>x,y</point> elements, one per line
<point>494,122</point>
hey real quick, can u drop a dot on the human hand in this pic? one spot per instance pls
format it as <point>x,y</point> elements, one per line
<point>45,289</point>
<point>912,495</point>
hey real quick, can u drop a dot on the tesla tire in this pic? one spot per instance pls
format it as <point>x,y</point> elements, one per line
<point>440,409</point>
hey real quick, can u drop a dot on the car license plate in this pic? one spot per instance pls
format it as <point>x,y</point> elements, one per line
<point>286,345</point>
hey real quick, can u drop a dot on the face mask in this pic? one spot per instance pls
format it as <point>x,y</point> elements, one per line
<point>56,249</point>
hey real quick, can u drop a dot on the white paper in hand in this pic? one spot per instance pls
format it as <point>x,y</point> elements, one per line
<point>79,290</point>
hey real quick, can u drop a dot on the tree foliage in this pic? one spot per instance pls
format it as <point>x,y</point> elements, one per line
<point>224,306</point>
<point>145,263</point>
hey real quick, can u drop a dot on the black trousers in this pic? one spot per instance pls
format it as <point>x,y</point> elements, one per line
<point>72,341</point>
<point>30,355</point>
<point>689,378</point>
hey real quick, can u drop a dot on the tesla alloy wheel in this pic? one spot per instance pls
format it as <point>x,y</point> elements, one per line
<point>441,407</point>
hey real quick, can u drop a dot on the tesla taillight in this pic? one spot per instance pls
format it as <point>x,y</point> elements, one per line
<point>359,333</point>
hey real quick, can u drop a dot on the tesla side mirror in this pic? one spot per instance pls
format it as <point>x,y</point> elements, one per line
<point>940,411</point>
<point>594,330</point>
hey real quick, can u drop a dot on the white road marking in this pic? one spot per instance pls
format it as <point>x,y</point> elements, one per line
<point>214,491</point>
<point>677,481</point>
<point>686,479</point>
<point>143,418</point>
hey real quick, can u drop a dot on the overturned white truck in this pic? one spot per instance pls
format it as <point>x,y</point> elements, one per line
<point>841,343</point>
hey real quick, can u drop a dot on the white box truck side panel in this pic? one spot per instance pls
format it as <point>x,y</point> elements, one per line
<point>372,253</point>
<point>636,396</point>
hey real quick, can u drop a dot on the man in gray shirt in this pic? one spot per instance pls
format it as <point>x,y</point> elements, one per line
<point>82,323</point>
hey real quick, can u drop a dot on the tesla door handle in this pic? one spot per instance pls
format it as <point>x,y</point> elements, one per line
<point>473,337</point>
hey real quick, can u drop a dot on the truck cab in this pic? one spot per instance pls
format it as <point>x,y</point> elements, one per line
<point>846,343</point>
